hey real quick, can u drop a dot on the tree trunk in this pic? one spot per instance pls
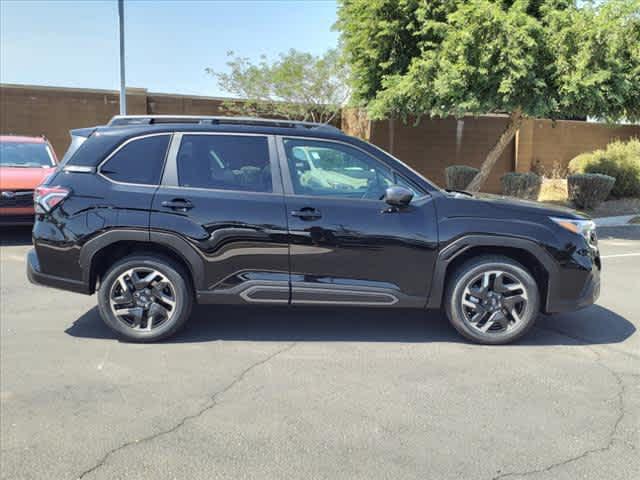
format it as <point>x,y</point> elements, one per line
<point>515,119</point>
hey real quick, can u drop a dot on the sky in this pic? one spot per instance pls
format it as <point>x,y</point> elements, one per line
<point>169,43</point>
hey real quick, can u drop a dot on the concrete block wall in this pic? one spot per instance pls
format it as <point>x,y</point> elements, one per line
<point>429,146</point>
<point>433,144</point>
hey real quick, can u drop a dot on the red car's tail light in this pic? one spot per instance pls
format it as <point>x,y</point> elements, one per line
<point>47,198</point>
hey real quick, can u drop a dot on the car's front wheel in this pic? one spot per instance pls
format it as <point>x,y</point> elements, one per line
<point>492,300</point>
<point>145,298</point>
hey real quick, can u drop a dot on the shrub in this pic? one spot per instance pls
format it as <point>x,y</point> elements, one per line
<point>620,160</point>
<point>588,190</point>
<point>521,185</point>
<point>459,176</point>
<point>577,164</point>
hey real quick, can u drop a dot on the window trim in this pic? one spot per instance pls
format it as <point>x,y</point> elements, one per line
<point>170,177</point>
<point>121,146</point>
<point>288,182</point>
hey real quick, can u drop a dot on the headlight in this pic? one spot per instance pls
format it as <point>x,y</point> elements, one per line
<point>586,228</point>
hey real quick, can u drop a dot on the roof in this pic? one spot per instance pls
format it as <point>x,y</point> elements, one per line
<point>141,120</point>
<point>21,139</point>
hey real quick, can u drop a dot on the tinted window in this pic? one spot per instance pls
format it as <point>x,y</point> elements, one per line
<point>225,162</point>
<point>333,169</point>
<point>15,154</point>
<point>139,161</point>
<point>76,142</point>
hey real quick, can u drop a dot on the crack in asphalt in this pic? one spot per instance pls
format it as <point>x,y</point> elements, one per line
<point>213,401</point>
<point>611,437</point>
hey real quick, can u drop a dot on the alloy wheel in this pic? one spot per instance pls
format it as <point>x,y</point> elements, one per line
<point>143,299</point>
<point>494,301</point>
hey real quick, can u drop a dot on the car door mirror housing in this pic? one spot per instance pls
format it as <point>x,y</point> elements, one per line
<point>398,196</point>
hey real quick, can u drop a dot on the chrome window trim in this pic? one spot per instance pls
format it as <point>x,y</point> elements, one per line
<point>121,146</point>
<point>172,165</point>
<point>78,169</point>
<point>286,174</point>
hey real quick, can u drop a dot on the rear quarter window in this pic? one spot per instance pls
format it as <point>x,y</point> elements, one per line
<point>138,161</point>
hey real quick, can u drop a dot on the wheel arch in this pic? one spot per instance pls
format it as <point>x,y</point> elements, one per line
<point>526,252</point>
<point>99,253</point>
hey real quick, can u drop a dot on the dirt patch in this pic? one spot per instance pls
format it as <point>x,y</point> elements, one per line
<point>553,190</point>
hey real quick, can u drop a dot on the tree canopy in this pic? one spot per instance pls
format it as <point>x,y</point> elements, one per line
<point>539,58</point>
<point>297,85</point>
<point>548,58</point>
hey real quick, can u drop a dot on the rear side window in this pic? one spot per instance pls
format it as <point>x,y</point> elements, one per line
<point>76,142</point>
<point>225,162</point>
<point>139,161</point>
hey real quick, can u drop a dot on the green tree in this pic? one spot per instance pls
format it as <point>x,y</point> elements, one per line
<point>526,58</point>
<point>297,85</point>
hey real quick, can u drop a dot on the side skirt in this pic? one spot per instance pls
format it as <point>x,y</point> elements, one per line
<point>308,293</point>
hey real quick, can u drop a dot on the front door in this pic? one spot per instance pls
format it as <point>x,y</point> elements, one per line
<point>347,245</point>
<point>223,194</point>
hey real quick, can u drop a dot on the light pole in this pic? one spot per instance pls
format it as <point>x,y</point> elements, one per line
<point>123,92</point>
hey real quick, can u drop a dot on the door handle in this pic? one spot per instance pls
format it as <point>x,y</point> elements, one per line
<point>178,204</point>
<point>307,213</point>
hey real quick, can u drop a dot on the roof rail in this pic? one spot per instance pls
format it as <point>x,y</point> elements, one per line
<point>132,120</point>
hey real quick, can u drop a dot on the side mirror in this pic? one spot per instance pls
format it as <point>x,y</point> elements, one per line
<point>397,196</point>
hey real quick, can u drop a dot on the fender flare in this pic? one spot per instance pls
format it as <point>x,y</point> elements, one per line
<point>175,243</point>
<point>453,250</point>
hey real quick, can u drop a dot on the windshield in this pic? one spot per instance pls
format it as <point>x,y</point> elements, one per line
<point>14,154</point>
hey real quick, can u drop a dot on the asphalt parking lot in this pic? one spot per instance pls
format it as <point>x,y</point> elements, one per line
<point>302,393</point>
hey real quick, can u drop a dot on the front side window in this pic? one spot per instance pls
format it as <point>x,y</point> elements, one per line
<point>140,161</point>
<point>334,169</point>
<point>225,162</point>
<point>27,155</point>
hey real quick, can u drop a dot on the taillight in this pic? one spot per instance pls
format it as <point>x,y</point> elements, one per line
<point>47,198</point>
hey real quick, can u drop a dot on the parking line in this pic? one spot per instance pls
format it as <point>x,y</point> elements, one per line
<point>621,255</point>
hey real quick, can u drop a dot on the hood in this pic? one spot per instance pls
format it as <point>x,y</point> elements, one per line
<point>512,206</point>
<point>20,178</point>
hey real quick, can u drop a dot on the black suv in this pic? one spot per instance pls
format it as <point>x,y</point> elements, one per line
<point>157,212</point>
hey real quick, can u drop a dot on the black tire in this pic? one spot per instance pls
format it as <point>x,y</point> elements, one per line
<point>459,314</point>
<point>180,288</point>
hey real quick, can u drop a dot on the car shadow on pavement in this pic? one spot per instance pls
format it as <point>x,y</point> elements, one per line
<point>595,325</point>
<point>15,236</point>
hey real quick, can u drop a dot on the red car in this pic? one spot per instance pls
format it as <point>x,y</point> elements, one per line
<point>24,163</point>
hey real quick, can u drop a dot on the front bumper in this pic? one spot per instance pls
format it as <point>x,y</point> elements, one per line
<point>576,284</point>
<point>36,277</point>
<point>588,295</point>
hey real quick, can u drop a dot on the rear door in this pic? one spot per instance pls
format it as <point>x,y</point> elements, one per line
<point>347,246</point>
<point>222,193</point>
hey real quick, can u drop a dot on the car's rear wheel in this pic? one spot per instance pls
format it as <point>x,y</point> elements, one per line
<point>145,298</point>
<point>492,300</point>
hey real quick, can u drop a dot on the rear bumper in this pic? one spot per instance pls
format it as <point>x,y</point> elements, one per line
<point>36,277</point>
